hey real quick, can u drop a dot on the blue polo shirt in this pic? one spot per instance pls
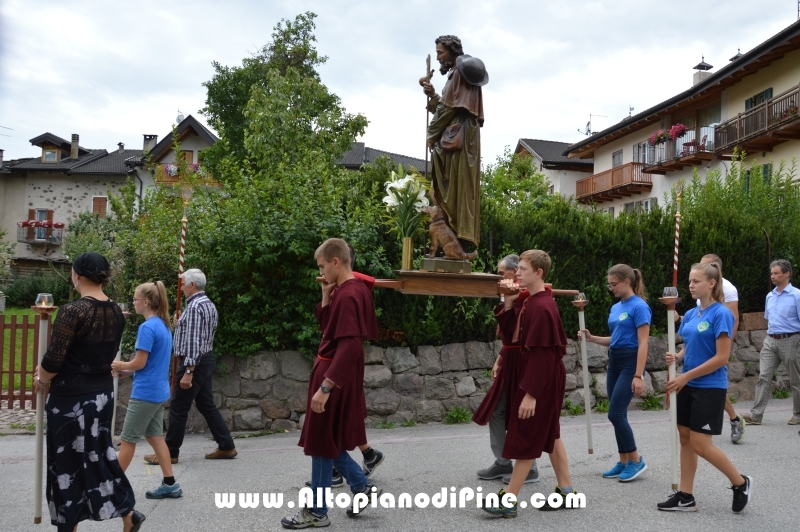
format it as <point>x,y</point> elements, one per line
<point>700,333</point>
<point>783,310</point>
<point>151,383</point>
<point>625,318</point>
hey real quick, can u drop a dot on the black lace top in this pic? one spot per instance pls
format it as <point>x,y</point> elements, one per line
<point>86,336</point>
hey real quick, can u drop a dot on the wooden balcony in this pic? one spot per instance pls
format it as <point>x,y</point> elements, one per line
<point>167,174</point>
<point>762,127</point>
<point>695,148</point>
<point>623,181</point>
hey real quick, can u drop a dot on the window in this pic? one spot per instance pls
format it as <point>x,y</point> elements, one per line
<point>758,99</point>
<point>49,156</point>
<point>649,204</point>
<point>552,189</point>
<point>766,172</point>
<point>99,206</point>
<point>633,206</point>
<point>41,216</point>
<point>616,159</point>
<point>609,211</point>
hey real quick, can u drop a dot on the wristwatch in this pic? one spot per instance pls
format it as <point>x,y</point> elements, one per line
<point>325,389</point>
<point>188,371</point>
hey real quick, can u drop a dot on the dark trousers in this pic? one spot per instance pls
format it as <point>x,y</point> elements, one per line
<point>621,369</point>
<point>200,393</point>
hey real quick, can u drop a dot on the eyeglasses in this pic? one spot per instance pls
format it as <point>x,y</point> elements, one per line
<point>135,299</point>
<point>611,286</point>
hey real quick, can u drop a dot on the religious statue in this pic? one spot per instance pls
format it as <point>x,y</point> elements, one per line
<point>454,138</point>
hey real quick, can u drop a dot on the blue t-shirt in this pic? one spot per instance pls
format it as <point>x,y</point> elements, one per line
<point>151,383</point>
<point>625,318</point>
<point>700,335</point>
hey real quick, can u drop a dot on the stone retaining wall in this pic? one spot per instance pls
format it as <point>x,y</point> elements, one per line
<point>269,389</point>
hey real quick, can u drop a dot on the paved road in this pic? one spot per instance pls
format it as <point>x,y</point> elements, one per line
<point>429,457</point>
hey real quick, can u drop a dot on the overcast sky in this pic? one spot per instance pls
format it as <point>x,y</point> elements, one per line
<point>111,71</point>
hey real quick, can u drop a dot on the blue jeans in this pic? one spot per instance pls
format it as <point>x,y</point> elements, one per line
<point>621,369</point>
<point>322,471</point>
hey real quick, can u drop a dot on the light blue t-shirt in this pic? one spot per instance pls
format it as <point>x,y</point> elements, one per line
<point>151,383</point>
<point>700,333</point>
<point>625,318</point>
<point>782,310</point>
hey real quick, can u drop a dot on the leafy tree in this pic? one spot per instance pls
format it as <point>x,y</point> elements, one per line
<point>229,91</point>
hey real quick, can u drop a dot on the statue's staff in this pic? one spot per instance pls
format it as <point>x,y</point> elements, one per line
<point>670,298</point>
<point>427,79</point>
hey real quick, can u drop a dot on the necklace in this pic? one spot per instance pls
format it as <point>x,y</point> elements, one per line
<point>701,309</point>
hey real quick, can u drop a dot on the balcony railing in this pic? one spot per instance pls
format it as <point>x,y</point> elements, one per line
<point>691,149</point>
<point>765,125</point>
<point>167,174</point>
<point>40,235</point>
<point>624,180</point>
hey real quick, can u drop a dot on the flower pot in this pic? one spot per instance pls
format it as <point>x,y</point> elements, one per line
<point>407,262</point>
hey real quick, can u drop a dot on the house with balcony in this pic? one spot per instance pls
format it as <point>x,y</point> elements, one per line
<point>548,158</point>
<point>749,105</point>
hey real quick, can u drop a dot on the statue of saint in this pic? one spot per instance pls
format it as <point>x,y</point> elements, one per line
<point>454,137</point>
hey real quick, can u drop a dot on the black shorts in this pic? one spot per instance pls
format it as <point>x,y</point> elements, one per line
<point>701,409</point>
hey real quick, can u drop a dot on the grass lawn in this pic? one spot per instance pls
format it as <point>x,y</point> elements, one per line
<point>19,313</point>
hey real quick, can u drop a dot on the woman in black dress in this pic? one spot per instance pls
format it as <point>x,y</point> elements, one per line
<point>84,478</point>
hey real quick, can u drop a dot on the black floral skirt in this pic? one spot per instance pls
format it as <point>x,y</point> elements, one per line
<point>84,478</point>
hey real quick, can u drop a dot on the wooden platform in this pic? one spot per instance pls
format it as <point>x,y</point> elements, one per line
<point>448,284</point>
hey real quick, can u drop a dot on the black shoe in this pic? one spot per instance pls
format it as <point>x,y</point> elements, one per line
<point>500,510</point>
<point>679,502</point>
<point>337,481</point>
<point>742,494</point>
<point>369,466</point>
<point>137,519</point>
<point>351,512</point>
<point>548,507</point>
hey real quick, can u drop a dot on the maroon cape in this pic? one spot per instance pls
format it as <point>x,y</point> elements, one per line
<point>346,323</point>
<point>536,370</point>
<point>510,348</point>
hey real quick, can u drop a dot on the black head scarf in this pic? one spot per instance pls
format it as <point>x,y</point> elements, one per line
<point>93,266</point>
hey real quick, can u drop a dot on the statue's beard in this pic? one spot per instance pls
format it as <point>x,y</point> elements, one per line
<point>446,65</point>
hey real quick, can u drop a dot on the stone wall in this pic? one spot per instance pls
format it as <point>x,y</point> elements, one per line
<point>269,389</point>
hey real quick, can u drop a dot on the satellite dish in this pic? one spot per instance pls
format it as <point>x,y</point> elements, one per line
<point>180,117</point>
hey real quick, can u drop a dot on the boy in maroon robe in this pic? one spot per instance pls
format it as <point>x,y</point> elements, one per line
<point>492,410</point>
<point>336,407</point>
<point>535,380</point>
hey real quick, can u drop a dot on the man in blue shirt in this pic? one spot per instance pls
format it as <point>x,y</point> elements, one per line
<point>782,343</point>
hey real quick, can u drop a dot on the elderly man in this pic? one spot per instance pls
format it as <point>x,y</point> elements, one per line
<point>193,345</point>
<point>493,407</point>
<point>454,137</point>
<point>782,343</point>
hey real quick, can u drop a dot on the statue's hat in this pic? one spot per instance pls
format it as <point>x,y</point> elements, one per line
<point>472,70</point>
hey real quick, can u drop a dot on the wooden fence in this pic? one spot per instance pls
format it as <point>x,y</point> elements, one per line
<point>19,356</point>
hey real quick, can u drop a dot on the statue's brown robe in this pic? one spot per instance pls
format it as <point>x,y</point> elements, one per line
<point>456,175</point>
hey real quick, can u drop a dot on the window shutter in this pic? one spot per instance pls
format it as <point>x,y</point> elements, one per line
<point>748,103</point>
<point>31,230</point>
<point>636,153</point>
<point>49,232</point>
<point>99,206</point>
<point>768,94</point>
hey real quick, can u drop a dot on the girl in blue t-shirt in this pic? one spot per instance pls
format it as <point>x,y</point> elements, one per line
<point>701,388</point>
<point>150,368</point>
<point>629,322</point>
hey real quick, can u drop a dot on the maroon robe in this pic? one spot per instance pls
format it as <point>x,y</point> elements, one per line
<point>346,323</point>
<point>510,348</point>
<point>537,370</point>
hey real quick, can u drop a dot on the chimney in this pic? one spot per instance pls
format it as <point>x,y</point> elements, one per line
<point>73,151</point>
<point>702,72</point>
<point>1,158</point>
<point>121,146</point>
<point>150,142</point>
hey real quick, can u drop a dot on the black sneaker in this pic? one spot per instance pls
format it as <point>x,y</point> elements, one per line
<point>500,510</point>
<point>369,466</point>
<point>742,494</point>
<point>548,507</point>
<point>361,507</point>
<point>337,481</point>
<point>679,502</point>
<point>305,518</point>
